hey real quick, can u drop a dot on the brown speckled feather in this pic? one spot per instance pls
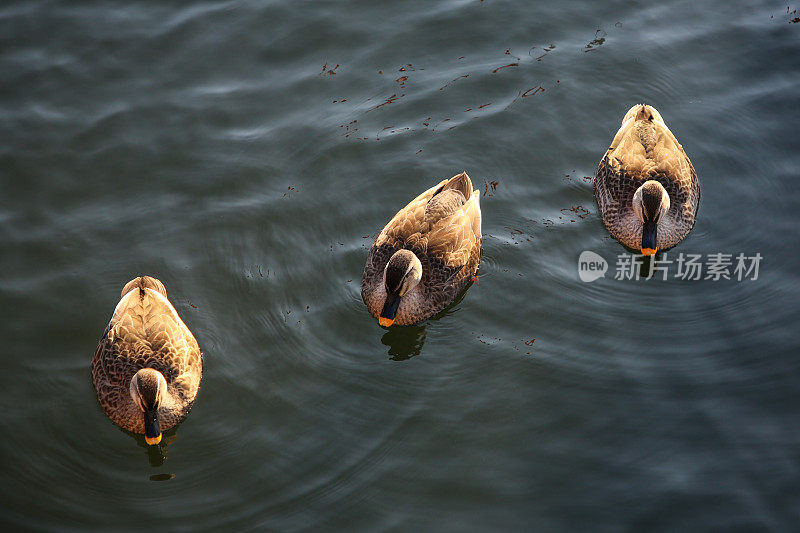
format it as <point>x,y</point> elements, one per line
<point>645,149</point>
<point>442,226</point>
<point>146,331</point>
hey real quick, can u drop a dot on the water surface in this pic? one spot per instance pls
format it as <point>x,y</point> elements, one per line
<point>247,153</point>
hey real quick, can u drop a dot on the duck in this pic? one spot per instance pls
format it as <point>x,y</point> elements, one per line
<point>148,366</point>
<point>646,188</point>
<point>426,255</point>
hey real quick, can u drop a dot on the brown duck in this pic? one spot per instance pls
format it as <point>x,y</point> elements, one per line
<point>147,366</point>
<point>426,255</point>
<point>646,188</point>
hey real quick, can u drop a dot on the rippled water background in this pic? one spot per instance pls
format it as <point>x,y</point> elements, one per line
<point>246,153</point>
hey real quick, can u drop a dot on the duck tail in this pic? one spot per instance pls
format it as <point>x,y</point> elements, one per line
<point>461,183</point>
<point>142,283</point>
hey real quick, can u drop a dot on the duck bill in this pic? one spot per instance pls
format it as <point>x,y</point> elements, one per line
<point>649,238</point>
<point>152,429</point>
<point>389,311</point>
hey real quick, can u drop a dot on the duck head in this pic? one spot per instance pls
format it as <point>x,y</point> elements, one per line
<point>650,203</point>
<point>148,389</point>
<point>402,274</point>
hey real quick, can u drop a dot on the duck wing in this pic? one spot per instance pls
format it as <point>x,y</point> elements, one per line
<point>146,331</point>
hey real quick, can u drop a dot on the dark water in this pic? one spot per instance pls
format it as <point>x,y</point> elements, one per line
<point>246,153</point>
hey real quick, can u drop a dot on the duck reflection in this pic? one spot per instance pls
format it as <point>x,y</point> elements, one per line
<point>156,454</point>
<point>647,266</point>
<point>645,263</point>
<point>404,342</point>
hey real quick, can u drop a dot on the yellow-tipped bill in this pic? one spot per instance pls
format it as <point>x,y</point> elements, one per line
<point>649,238</point>
<point>152,428</point>
<point>389,311</point>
